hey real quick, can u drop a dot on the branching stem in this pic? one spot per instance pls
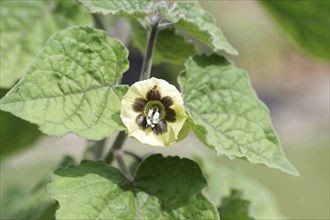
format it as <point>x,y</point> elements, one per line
<point>116,151</point>
<point>135,156</point>
<point>117,145</point>
<point>147,62</point>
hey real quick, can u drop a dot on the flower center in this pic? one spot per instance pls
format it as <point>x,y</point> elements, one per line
<point>153,116</point>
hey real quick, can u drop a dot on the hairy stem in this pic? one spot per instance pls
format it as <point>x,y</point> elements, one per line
<point>147,62</point>
<point>117,145</point>
<point>118,153</point>
<point>98,21</point>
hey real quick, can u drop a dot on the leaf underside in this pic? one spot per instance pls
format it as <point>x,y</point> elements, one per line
<point>191,18</point>
<point>170,46</point>
<point>131,8</point>
<point>226,114</point>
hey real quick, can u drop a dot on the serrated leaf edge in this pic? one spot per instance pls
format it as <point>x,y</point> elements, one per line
<point>290,168</point>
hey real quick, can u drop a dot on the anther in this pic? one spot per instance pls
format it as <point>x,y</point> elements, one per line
<point>153,117</point>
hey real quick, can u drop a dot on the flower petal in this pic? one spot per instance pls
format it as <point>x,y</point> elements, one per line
<point>167,101</point>
<point>167,89</point>
<point>128,115</point>
<point>170,115</point>
<point>144,93</point>
<point>153,94</point>
<point>139,104</point>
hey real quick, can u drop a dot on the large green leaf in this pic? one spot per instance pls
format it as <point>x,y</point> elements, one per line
<point>170,46</point>
<point>25,27</point>
<point>163,188</point>
<point>190,17</point>
<point>306,24</point>
<point>234,207</point>
<point>127,8</point>
<point>70,86</point>
<point>226,114</point>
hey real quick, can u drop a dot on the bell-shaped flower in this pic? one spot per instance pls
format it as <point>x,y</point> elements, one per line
<point>153,112</point>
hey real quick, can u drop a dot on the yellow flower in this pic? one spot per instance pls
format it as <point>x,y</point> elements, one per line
<point>153,112</point>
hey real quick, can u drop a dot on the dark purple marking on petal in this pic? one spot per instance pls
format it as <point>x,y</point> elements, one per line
<point>167,101</point>
<point>141,121</point>
<point>153,94</point>
<point>170,115</point>
<point>160,128</point>
<point>139,104</point>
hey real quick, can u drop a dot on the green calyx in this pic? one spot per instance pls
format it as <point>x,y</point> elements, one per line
<point>155,105</point>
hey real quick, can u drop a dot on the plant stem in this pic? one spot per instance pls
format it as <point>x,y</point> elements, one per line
<point>98,21</point>
<point>94,149</point>
<point>135,156</point>
<point>147,62</point>
<point>119,157</point>
<point>117,152</point>
<point>117,145</point>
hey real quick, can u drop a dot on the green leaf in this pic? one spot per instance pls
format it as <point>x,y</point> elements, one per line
<point>193,19</point>
<point>224,175</point>
<point>127,8</point>
<point>234,207</point>
<point>70,86</point>
<point>36,204</point>
<point>170,46</point>
<point>306,25</point>
<point>163,188</point>
<point>26,25</point>
<point>16,134</point>
<point>226,114</point>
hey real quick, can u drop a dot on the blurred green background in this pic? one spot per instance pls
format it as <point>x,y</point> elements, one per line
<point>292,80</point>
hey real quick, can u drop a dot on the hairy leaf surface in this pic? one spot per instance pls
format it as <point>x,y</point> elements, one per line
<point>193,19</point>
<point>25,27</point>
<point>70,86</point>
<point>226,114</point>
<point>127,8</point>
<point>163,188</point>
